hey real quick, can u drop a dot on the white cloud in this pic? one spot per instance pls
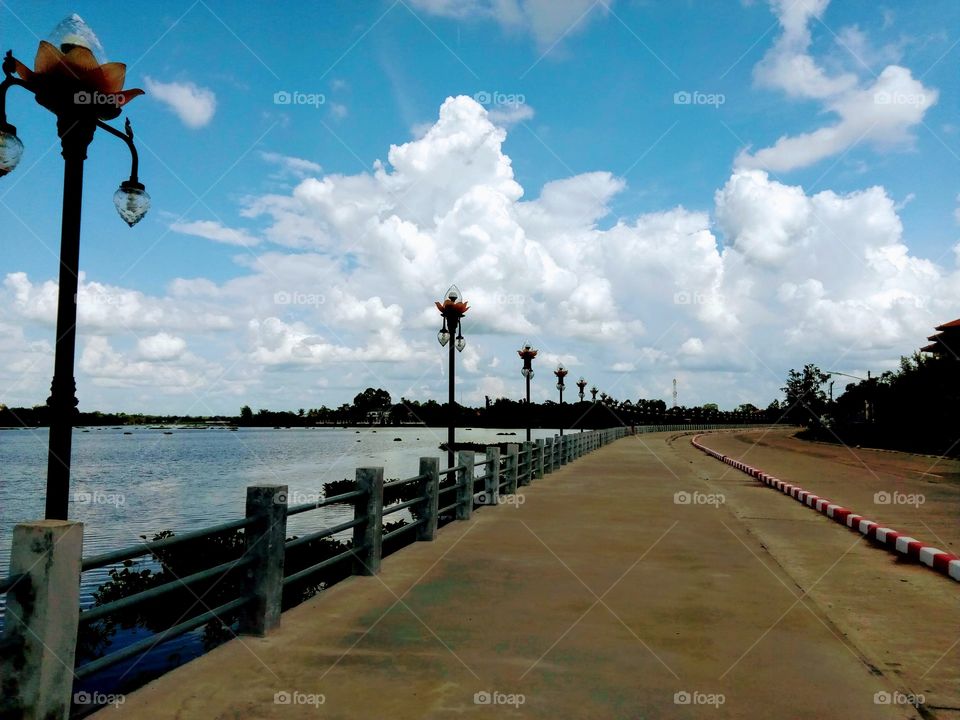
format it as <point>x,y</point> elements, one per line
<point>297,167</point>
<point>212,230</point>
<point>343,298</point>
<point>548,21</point>
<point>161,346</point>
<point>194,105</point>
<point>881,112</point>
<point>510,114</point>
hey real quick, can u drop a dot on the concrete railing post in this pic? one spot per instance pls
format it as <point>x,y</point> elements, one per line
<point>541,449</point>
<point>368,535</point>
<point>264,540</point>
<point>512,469</point>
<point>564,449</point>
<point>526,477</point>
<point>465,480</point>
<point>548,456</point>
<point>491,490</point>
<point>430,489</point>
<point>43,611</point>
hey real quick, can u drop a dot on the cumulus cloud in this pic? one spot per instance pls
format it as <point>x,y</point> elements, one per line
<point>289,165</point>
<point>725,298</point>
<point>212,230</point>
<point>881,111</point>
<point>194,105</point>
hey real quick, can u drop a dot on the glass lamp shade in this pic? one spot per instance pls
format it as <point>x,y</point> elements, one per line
<point>443,337</point>
<point>72,31</point>
<point>461,344</point>
<point>453,293</point>
<point>559,386</point>
<point>131,201</point>
<point>527,372</point>
<point>11,150</point>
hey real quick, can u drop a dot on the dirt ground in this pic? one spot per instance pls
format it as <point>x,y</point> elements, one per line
<point>643,581</point>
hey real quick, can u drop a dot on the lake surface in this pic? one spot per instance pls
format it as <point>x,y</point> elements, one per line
<point>133,481</point>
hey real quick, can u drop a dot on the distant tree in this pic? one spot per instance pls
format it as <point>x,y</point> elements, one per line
<point>711,406</point>
<point>806,401</point>
<point>246,415</point>
<point>371,399</point>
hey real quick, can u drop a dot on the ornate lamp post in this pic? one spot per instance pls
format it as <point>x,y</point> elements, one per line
<point>581,383</point>
<point>593,393</point>
<point>561,372</point>
<point>69,81</point>
<point>527,354</point>
<point>452,309</point>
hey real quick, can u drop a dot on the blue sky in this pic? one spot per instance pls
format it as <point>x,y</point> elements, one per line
<point>766,242</point>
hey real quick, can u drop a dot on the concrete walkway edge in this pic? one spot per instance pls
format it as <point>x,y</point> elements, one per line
<point>933,557</point>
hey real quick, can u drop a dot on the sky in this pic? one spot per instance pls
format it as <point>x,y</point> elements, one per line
<point>643,190</point>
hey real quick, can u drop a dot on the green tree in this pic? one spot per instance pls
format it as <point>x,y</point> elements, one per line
<point>806,401</point>
<point>246,415</point>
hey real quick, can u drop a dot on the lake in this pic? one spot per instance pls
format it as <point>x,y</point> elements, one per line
<point>133,481</point>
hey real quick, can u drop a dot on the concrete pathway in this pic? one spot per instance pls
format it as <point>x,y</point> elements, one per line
<point>602,596</point>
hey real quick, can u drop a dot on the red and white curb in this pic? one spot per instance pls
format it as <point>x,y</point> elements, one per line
<point>894,541</point>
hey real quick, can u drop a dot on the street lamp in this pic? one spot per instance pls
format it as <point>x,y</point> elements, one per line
<point>561,372</point>
<point>452,309</point>
<point>527,354</point>
<point>593,392</point>
<point>69,81</point>
<point>581,383</point>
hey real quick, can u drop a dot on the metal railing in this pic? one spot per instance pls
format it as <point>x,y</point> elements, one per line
<point>265,548</point>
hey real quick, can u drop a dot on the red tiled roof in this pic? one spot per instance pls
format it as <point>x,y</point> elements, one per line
<point>951,324</point>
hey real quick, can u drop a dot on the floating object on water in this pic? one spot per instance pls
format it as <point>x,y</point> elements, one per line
<point>398,439</point>
<point>128,433</point>
<point>168,433</point>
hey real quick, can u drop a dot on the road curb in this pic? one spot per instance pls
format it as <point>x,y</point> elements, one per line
<point>934,558</point>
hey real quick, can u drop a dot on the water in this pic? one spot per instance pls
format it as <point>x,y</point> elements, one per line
<point>134,481</point>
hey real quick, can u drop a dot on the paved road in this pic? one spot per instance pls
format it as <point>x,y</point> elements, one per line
<point>901,616</point>
<point>599,597</point>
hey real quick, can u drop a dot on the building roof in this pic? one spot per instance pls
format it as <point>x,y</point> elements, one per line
<point>953,324</point>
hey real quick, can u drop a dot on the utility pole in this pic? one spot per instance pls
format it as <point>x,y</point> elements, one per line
<point>675,392</point>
